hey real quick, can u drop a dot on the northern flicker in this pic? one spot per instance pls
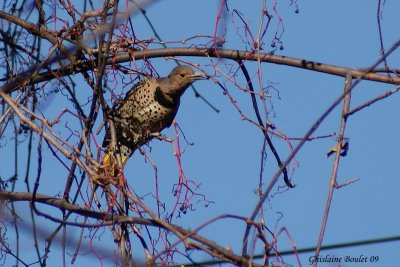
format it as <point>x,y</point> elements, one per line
<point>149,107</point>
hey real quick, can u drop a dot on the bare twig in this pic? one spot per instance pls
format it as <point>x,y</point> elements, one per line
<point>372,101</point>
<point>314,127</point>
<point>339,145</point>
<point>40,131</point>
<point>263,128</point>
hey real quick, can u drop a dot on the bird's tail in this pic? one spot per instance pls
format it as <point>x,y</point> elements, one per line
<point>110,165</point>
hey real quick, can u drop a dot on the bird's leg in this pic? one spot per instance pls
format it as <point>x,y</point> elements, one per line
<point>160,137</point>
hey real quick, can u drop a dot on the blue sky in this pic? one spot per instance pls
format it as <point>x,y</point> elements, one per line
<point>225,158</point>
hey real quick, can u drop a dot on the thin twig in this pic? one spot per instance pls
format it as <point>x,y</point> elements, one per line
<point>372,101</point>
<point>263,128</point>
<point>312,129</point>
<point>339,145</point>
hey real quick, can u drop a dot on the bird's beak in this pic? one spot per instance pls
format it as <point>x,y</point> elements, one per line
<point>198,76</point>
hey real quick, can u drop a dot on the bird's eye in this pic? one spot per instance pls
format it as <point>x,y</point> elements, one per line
<point>182,75</point>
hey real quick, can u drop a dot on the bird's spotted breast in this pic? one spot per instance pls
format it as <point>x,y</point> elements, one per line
<point>148,108</point>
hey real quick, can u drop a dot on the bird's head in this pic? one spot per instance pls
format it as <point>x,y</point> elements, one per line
<point>180,79</point>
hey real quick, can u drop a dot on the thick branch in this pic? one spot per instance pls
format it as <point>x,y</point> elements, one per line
<point>204,52</point>
<point>108,218</point>
<point>40,31</point>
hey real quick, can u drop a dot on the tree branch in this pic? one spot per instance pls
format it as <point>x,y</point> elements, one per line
<point>40,31</point>
<point>111,219</point>
<point>365,74</point>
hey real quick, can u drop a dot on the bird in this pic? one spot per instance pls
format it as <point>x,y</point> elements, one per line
<point>148,107</point>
